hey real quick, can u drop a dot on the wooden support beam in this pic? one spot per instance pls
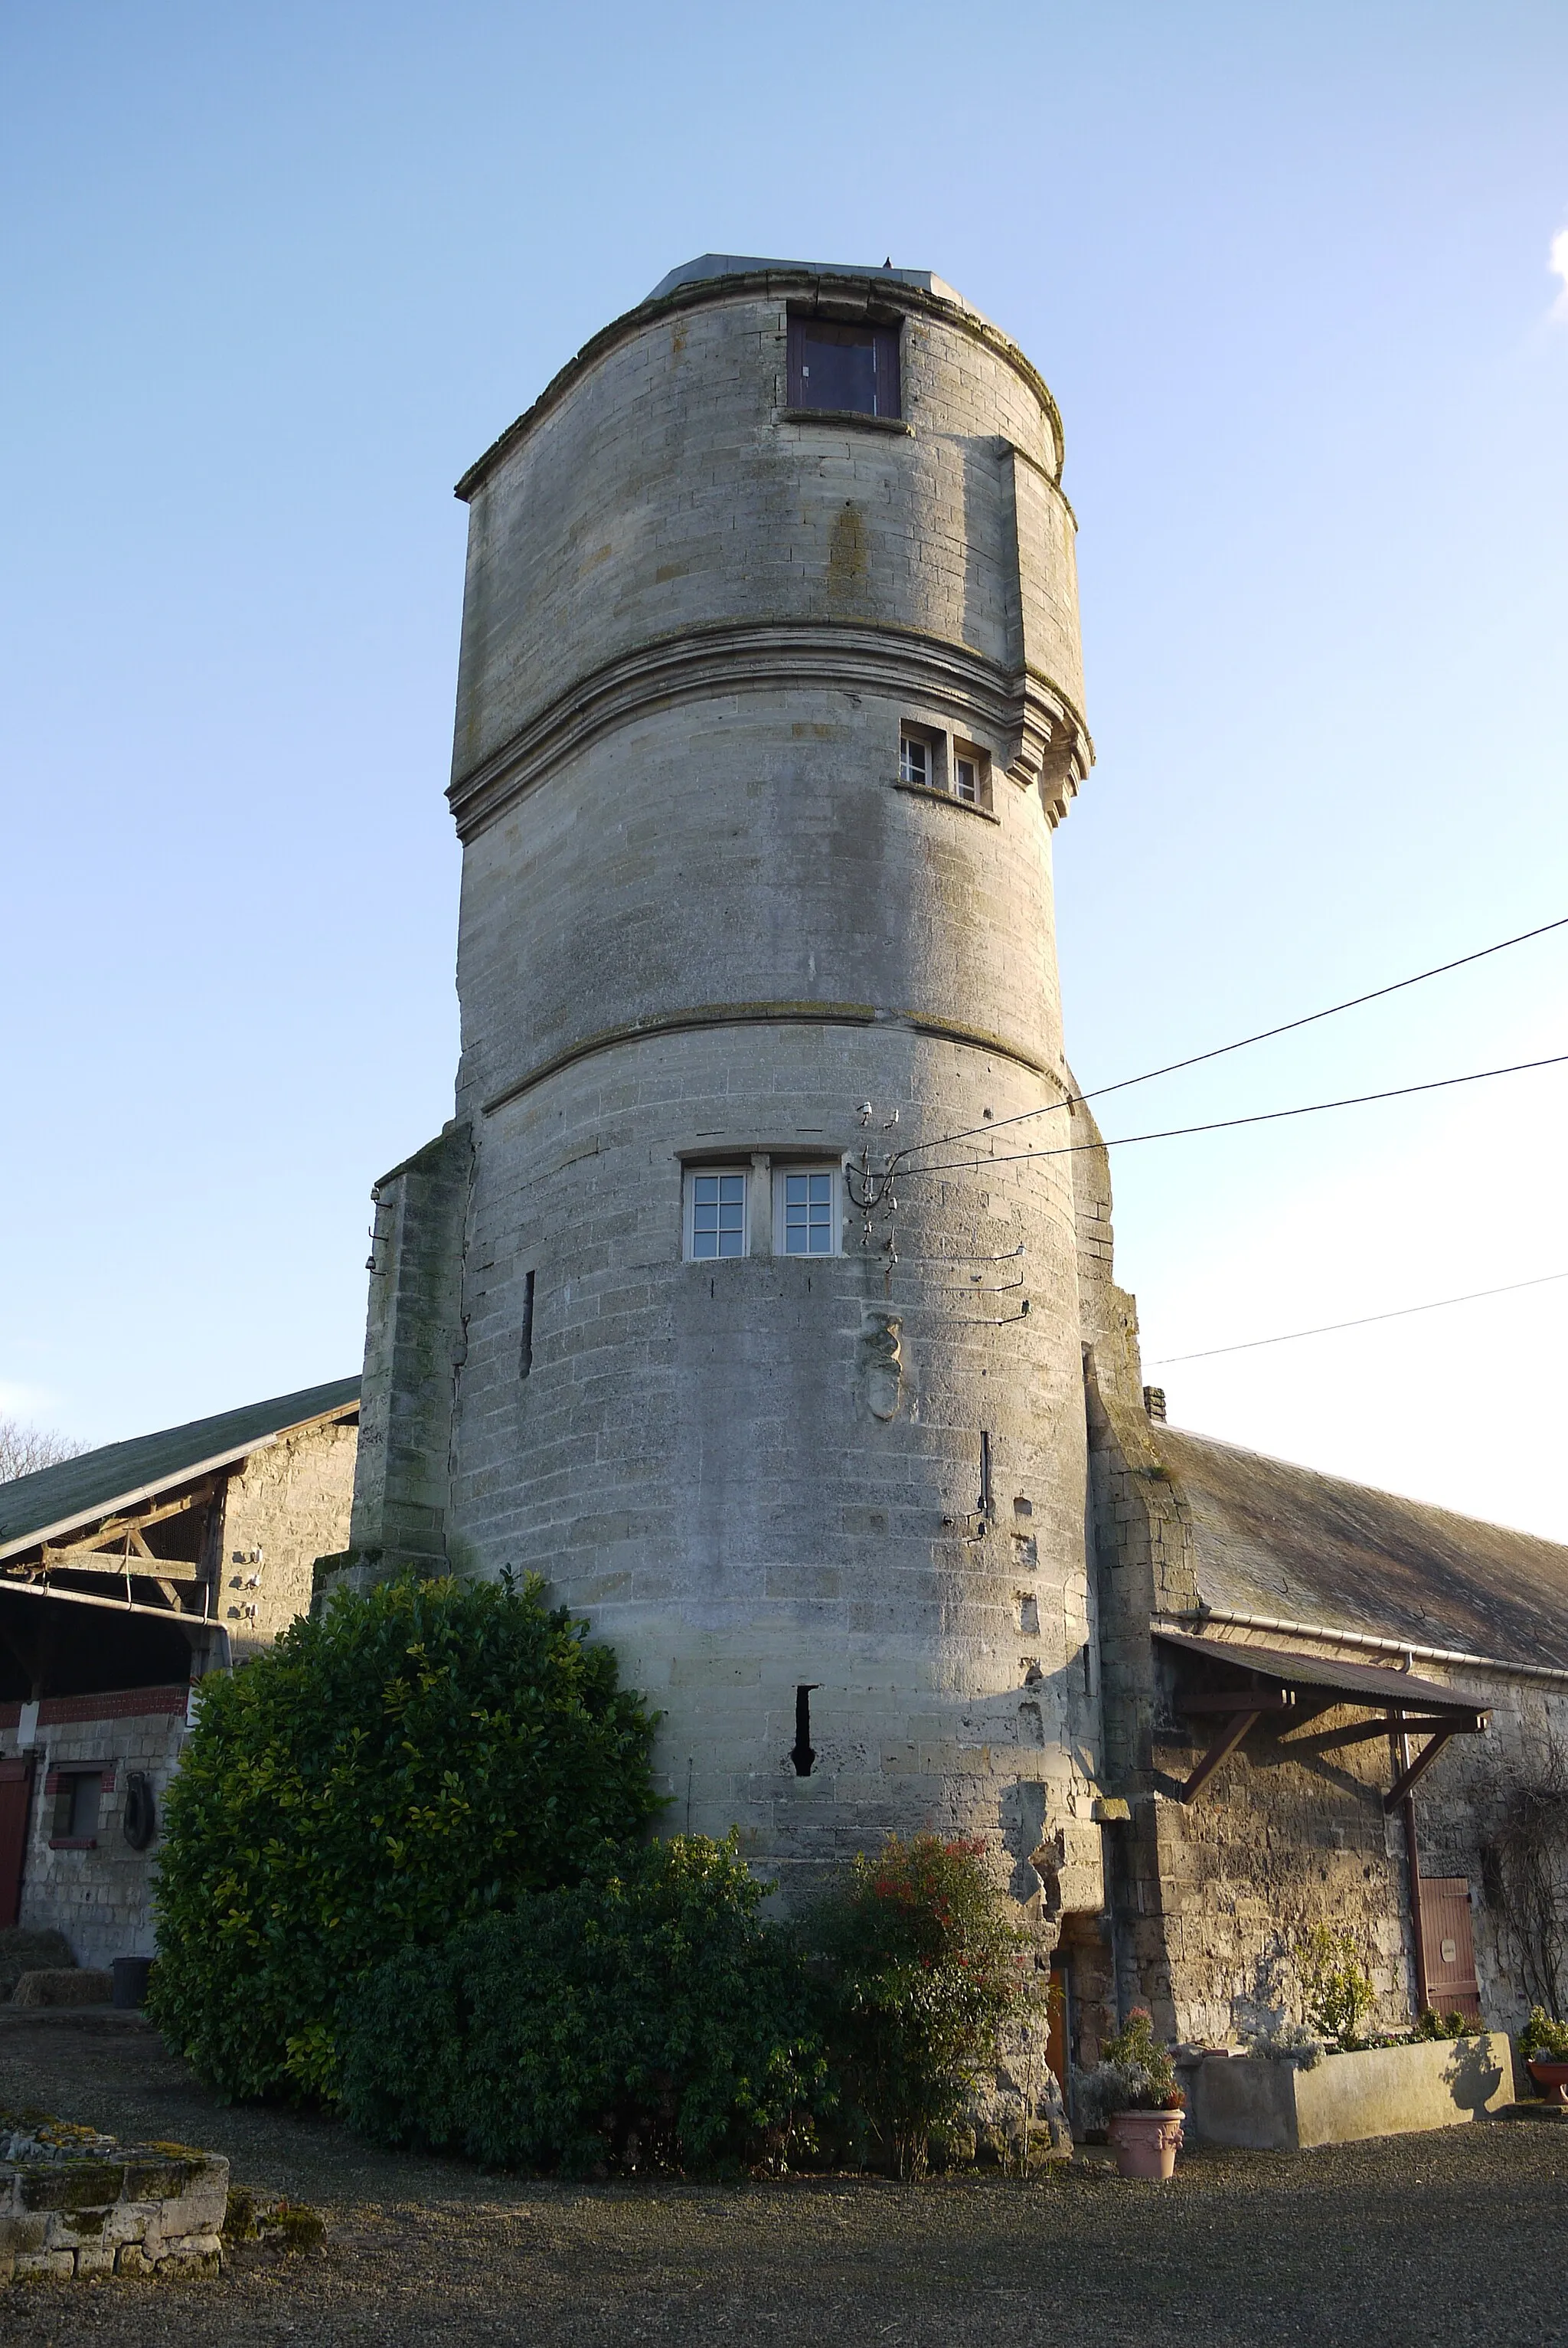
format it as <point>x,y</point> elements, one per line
<point>1253,1700</point>
<point>1226,1742</point>
<point>114,1561</point>
<point>1410,1776</point>
<point>1362,1731</point>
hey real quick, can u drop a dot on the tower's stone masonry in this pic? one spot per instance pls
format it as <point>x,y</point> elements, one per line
<point>829,1509</point>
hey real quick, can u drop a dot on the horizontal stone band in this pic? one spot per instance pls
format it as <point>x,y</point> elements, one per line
<point>771,1014</point>
<point>1026,710</point>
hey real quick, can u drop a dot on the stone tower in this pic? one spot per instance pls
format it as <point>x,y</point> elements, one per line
<point>769,700</point>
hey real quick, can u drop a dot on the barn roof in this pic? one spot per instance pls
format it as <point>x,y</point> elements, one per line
<point>55,1500</point>
<point>1283,1541</point>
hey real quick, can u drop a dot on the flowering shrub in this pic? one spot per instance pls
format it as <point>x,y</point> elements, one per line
<point>429,1751</point>
<point>922,1966</point>
<point>1135,2073</point>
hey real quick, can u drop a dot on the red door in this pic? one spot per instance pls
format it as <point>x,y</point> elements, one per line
<point>15,1794</point>
<point>1451,1985</point>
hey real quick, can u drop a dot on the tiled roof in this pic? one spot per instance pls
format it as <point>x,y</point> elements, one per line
<point>32,1508</point>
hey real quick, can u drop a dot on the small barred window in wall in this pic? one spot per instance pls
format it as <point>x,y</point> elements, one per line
<point>809,1217</point>
<point>717,1216</point>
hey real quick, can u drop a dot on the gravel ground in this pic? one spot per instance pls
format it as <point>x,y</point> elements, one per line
<point>1426,2241</point>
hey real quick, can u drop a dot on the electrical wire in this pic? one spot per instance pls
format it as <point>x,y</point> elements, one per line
<point>1225,1123</point>
<point>1438,1304</point>
<point>1264,1035</point>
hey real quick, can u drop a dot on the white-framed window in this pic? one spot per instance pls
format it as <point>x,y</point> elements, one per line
<point>922,758</point>
<point>971,774</point>
<point>716,1212</point>
<point>808,1219</point>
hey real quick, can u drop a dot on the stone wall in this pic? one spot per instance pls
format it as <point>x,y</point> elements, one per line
<point>704,923</point>
<point>73,2204</point>
<point>288,1505</point>
<point>96,1891</point>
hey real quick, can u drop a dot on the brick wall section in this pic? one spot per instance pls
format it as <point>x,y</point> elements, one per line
<point>99,1898</point>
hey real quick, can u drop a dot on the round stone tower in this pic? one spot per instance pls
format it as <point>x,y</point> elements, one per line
<point>731,1301</point>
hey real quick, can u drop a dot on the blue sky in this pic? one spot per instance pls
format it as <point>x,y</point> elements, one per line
<point>274,276</point>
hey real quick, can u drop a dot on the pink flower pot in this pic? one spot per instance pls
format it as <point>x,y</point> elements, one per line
<point>1145,2143</point>
<point>1552,2078</point>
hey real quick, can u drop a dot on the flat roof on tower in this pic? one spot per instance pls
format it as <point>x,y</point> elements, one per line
<point>746,264</point>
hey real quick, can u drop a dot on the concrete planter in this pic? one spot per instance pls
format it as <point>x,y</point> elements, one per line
<point>1268,2107</point>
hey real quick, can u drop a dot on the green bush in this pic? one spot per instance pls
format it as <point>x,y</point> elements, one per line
<point>430,1752</point>
<point>1143,2066</point>
<point>646,2018</point>
<point>1337,1989</point>
<point>923,1967</point>
<point>1431,2024</point>
<point>1544,2039</point>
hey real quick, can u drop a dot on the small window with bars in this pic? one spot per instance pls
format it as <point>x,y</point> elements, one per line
<point>716,1214</point>
<point>806,1210</point>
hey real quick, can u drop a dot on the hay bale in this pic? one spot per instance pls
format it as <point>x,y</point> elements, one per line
<point>64,1985</point>
<point>24,1949</point>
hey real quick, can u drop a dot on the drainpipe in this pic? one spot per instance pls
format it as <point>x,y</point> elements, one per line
<point>1413,1873</point>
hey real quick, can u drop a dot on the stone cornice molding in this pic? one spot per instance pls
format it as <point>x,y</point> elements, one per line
<point>700,1015</point>
<point>1048,742</point>
<point>840,296</point>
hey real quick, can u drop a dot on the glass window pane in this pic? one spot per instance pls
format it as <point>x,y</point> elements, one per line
<point>821,1187</point>
<point>729,1243</point>
<point>838,368</point>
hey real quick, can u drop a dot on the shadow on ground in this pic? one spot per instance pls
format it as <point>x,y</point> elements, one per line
<point>1426,2241</point>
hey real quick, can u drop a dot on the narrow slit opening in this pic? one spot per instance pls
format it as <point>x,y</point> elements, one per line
<point>526,1344</point>
<point>801,1753</point>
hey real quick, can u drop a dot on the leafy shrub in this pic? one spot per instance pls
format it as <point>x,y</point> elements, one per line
<point>1336,1986</point>
<point>1284,2042</point>
<point>1544,2039</point>
<point>429,1751</point>
<point>645,2018</point>
<point>923,1965</point>
<point>1431,2023</point>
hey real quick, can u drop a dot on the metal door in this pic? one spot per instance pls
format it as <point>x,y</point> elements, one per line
<point>15,1797</point>
<point>1451,1985</point>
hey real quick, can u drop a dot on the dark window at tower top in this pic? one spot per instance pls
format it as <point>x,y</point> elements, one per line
<point>854,369</point>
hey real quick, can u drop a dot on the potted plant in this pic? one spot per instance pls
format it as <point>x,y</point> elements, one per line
<point>1134,2084</point>
<point>1545,2047</point>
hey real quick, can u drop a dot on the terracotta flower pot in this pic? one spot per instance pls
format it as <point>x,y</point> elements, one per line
<point>1145,2143</point>
<point>1552,2078</point>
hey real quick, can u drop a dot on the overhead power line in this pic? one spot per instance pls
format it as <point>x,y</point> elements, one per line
<point>1329,1328</point>
<point>1225,1123</point>
<point>1264,1035</point>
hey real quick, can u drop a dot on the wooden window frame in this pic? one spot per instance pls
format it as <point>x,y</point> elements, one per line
<point>888,392</point>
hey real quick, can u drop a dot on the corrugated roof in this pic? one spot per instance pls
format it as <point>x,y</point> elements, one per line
<point>1366,1683</point>
<point>1272,1538</point>
<point>33,1508</point>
